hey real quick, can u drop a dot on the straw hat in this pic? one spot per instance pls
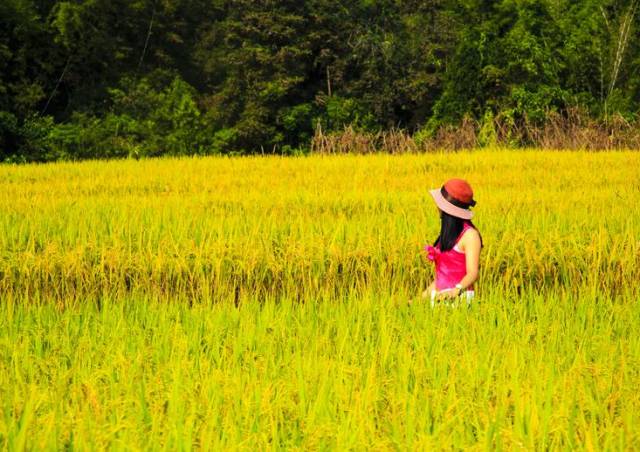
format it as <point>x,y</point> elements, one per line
<point>455,198</point>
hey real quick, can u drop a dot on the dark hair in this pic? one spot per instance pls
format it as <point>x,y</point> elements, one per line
<point>450,229</point>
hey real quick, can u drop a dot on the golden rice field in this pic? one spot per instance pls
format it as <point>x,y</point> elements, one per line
<point>261,303</point>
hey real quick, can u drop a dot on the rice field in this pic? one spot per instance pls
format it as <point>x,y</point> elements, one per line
<point>262,303</point>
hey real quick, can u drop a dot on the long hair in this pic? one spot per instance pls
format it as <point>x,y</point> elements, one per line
<point>450,229</point>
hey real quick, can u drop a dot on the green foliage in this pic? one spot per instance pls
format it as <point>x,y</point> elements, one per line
<point>26,140</point>
<point>340,112</point>
<point>85,136</point>
<point>297,118</point>
<point>221,76</point>
<point>168,118</point>
<point>487,136</point>
<point>148,117</point>
<point>422,135</point>
<point>8,131</point>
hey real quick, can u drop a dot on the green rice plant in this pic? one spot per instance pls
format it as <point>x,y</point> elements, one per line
<point>361,372</point>
<point>216,228</point>
<point>261,303</point>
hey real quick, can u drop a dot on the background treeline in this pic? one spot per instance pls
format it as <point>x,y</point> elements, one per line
<point>112,78</point>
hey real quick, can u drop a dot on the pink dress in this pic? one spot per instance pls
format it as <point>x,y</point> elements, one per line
<point>450,265</point>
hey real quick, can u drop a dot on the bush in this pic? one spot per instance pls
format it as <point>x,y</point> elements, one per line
<point>149,117</point>
<point>340,112</point>
<point>167,118</point>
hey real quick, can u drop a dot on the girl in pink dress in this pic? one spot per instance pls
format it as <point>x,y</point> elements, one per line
<point>456,251</point>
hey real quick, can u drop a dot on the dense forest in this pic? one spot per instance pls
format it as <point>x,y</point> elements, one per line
<point>117,78</point>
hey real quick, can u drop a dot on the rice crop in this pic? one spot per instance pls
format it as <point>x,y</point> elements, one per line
<point>261,302</point>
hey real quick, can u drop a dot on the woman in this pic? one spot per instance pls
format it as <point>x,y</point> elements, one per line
<point>456,251</point>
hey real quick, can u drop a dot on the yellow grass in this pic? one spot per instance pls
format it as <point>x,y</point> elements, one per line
<point>261,303</point>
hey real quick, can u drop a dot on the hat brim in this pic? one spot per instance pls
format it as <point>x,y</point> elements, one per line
<point>449,208</point>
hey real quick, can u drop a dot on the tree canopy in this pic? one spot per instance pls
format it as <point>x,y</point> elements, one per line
<point>113,78</point>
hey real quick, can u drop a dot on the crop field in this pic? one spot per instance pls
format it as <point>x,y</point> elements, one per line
<point>262,303</point>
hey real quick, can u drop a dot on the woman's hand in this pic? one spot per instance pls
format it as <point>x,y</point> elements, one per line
<point>448,294</point>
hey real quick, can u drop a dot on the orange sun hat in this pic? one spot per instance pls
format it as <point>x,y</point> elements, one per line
<point>455,198</point>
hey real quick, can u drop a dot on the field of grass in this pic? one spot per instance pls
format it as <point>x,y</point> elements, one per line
<point>262,303</point>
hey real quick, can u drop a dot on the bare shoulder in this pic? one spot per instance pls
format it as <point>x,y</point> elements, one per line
<point>470,239</point>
